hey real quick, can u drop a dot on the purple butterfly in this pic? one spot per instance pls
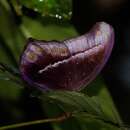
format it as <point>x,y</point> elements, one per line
<point>70,64</point>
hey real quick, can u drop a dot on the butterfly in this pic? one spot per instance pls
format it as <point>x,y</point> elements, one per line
<point>70,64</point>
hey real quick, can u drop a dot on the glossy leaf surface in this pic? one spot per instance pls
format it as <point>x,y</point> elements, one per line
<point>60,9</point>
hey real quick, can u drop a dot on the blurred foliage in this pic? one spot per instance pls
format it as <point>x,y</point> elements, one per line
<point>39,30</point>
<point>61,9</point>
<point>12,40</point>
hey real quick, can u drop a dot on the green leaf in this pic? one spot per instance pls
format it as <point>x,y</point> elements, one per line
<point>47,31</point>
<point>61,9</point>
<point>78,101</point>
<point>99,89</point>
<point>89,123</point>
<point>87,111</point>
<point>98,109</point>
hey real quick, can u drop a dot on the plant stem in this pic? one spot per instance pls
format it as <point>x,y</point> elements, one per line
<point>53,120</point>
<point>60,118</point>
